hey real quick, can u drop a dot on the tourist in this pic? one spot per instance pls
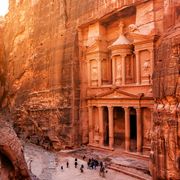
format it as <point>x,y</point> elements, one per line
<point>75,164</point>
<point>67,164</point>
<point>92,164</point>
<point>88,163</point>
<point>101,164</point>
<point>61,168</point>
<point>102,171</point>
<point>81,168</point>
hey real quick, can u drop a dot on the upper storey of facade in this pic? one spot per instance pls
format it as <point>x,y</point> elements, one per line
<point>118,49</point>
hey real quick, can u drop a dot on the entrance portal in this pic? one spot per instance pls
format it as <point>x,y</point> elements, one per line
<point>119,127</point>
<point>133,130</point>
<point>106,126</point>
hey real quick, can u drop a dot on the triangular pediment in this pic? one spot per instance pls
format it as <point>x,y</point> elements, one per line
<point>115,94</point>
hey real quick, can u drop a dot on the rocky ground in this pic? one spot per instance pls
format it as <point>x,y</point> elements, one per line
<point>47,166</point>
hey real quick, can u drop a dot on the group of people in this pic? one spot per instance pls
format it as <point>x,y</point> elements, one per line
<point>91,164</point>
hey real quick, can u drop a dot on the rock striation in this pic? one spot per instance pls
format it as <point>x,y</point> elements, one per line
<point>12,162</point>
<point>165,150</point>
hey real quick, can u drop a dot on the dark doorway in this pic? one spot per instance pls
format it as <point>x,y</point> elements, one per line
<point>133,130</point>
<point>106,126</point>
<point>119,127</point>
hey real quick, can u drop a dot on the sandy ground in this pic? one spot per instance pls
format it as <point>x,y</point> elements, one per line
<point>47,166</point>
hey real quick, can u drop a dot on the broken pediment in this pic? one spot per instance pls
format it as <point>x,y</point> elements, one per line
<point>97,45</point>
<point>139,36</point>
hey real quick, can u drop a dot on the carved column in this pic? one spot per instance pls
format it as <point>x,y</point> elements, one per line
<point>123,69</point>
<point>89,73</point>
<point>139,129</point>
<point>151,110</point>
<point>113,70</point>
<point>101,126</point>
<point>91,134</point>
<point>152,61</point>
<point>138,69</point>
<point>111,127</point>
<point>127,129</point>
<point>99,72</point>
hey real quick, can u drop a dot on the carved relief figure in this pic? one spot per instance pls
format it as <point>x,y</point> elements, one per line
<point>146,66</point>
<point>93,72</point>
<point>119,68</point>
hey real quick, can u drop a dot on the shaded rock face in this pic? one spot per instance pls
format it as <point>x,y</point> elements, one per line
<point>165,150</point>
<point>12,162</point>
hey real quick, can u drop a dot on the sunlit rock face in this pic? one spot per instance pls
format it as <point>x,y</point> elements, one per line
<point>41,46</point>
<point>166,128</point>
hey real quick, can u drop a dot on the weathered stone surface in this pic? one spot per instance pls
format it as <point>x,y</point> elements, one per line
<point>12,162</point>
<point>165,133</point>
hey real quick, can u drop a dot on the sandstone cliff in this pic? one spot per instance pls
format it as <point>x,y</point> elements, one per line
<point>166,89</point>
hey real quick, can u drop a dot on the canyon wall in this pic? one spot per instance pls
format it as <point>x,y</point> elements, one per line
<point>165,150</point>
<point>12,162</point>
<point>42,54</point>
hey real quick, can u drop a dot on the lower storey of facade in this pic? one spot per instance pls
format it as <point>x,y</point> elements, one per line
<point>124,127</point>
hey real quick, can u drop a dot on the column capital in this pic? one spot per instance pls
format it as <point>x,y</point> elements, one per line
<point>110,107</point>
<point>124,55</point>
<point>126,107</point>
<point>90,107</point>
<point>136,107</point>
<point>99,106</point>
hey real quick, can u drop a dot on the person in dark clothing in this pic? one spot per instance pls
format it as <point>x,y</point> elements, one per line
<point>101,164</point>
<point>84,157</point>
<point>75,159</point>
<point>97,163</point>
<point>89,163</point>
<point>75,164</point>
<point>82,168</point>
<point>61,168</point>
<point>67,164</point>
<point>102,171</point>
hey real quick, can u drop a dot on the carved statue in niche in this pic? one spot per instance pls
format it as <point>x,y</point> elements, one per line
<point>128,67</point>
<point>119,68</point>
<point>96,133</point>
<point>146,67</point>
<point>94,73</point>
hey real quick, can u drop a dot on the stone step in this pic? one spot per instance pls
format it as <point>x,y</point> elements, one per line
<point>135,155</point>
<point>135,175</point>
